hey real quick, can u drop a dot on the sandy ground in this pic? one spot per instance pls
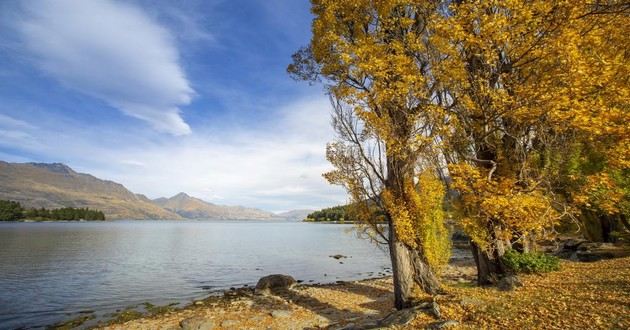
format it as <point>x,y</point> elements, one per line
<point>580,296</point>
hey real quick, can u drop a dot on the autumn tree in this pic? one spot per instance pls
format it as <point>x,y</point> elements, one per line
<point>526,80</point>
<point>374,59</point>
<point>508,93</point>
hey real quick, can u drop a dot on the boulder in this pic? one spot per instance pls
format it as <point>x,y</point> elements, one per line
<point>588,252</point>
<point>573,244</point>
<point>197,323</point>
<point>270,283</point>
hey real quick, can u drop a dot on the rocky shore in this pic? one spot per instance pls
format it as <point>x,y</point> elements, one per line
<point>598,296</point>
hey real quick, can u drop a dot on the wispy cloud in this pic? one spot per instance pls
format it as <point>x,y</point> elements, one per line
<point>10,122</point>
<point>276,166</point>
<point>112,51</point>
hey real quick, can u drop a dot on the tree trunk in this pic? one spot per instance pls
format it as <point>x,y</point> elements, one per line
<point>409,271</point>
<point>490,268</point>
<point>525,244</point>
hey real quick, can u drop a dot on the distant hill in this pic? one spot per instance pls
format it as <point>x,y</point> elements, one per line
<point>57,185</point>
<point>294,215</point>
<point>194,208</point>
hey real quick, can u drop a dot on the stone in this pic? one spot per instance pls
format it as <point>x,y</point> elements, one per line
<point>321,321</point>
<point>280,313</point>
<point>573,244</point>
<point>197,323</point>
<point>435,310</point>
<point>403,316</point>
<point>274,282</point>
<point>443,324</point>
<point>229,324</point>
<point>589,252</point>
<point>509,283</point>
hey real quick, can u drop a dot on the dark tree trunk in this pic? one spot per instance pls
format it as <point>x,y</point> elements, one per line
<point>490,268</point>
<point>409,272</point>
<point>606,228</point>
<point>624,221</point>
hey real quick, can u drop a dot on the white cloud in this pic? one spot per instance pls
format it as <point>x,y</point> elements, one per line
<point>15,132</point>
<point>112,51</point>
<point>276,166</point>
<point>10,122</point>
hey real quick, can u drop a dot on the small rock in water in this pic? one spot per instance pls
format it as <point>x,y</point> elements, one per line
<point>196,323</point>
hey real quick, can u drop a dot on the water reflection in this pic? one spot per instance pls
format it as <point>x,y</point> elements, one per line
<point>50,270</point>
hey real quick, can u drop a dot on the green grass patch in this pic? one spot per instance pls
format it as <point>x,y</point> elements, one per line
<point>530,262</point>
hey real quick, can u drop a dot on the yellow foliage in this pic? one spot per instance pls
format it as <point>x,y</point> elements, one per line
<point>419,216</point>
<point>498,209</point>
<point>497,89</point>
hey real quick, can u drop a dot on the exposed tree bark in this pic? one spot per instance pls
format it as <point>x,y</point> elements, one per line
<point>490,267</point>
<point>409,270</point>
<point>525,244</point>
<point>409,267</point>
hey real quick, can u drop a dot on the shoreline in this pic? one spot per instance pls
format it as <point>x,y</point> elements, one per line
<point>226,305</point>
<point>368,303</point>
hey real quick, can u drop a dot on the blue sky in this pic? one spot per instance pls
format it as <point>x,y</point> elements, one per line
<point>167,96</point>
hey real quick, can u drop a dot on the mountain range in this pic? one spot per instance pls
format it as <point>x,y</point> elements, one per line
<point>55,185</point>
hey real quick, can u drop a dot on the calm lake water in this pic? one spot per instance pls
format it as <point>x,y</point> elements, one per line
<point>50,272</point>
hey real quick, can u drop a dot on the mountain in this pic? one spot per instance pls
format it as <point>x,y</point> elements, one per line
<point>194,208</point>
<point>57,185</point>
<point>294,215</point>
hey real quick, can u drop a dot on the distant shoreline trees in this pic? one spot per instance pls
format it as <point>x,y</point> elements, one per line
<point>335,213</point>
<point>13,211</point>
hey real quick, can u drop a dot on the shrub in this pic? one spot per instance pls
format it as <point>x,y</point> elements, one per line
<point>530,262</point>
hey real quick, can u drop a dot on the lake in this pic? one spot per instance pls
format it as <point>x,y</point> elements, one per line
<point>53,271</point>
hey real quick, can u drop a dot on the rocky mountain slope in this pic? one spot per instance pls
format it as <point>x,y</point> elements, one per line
<point>194,208</point>
<point>57,185</point>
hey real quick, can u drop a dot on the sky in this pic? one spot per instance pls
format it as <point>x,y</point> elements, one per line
<point>167,97</point>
